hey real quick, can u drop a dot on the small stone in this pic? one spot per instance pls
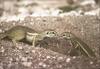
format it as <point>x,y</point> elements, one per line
<point>60,58</point>
<point>1,30</point>
<point>27,64</point>
<point>68,60</point>
<point>91,62</point>
<point>33,51</point>
<point>26,52</point>
<point>24,59</point>
<point>42,64</point>
<point>17,59</point>
<point>74,57</point>
<point>48,57</point>
<point>2,49</point>
<point>54,57</point>
<point>10,59</point>
<point>59,66</point>
<point>20,47</point>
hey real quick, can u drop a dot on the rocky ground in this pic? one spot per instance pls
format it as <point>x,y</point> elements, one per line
<point>83,21</point>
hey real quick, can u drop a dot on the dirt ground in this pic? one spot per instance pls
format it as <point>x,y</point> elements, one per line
<point>54,56</point>
<point>50,53</point>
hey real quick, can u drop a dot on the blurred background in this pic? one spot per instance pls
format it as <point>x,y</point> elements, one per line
<point>18,9</point>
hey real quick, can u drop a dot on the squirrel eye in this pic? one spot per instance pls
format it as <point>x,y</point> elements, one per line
<point>53,32</point>
<point>63,35</point>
